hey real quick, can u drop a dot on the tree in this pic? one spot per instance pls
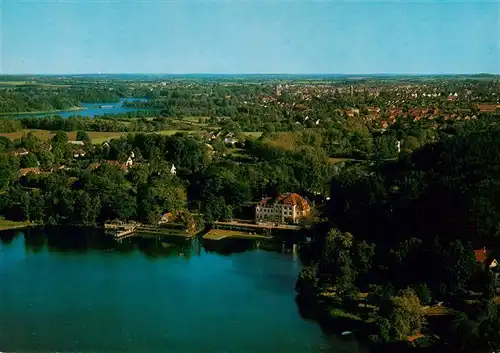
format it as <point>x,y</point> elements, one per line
<point>9,166</point>
<point>139,174</point>
<point>384,147</point>
<point>403,313</point>
<point>459,265</point>
<point>410,143</point>
<point>489,285</point>
<point>489,330</point>
<point>5,144</point>
<point>424,293</point>
<point>308,282</point>
<point>45,158</point>
<point>60,138</point>
<point>82,136</point>
<point>29,161</point>
<point>30,142</point>
<point>336,266</point>
<point>26,205</point>
<point>87,208</point>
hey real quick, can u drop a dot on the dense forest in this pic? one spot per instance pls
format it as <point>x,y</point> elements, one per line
<point>422,216</point>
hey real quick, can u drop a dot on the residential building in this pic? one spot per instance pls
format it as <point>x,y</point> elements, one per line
<point>483,257</point>
<point>21,152</point>
<point>129,162</point>
<point>26,171</point>
<point>286,208</point>
<point>166,218</point>
<point>78,143</point>
<point>79,153</point>
<point>230,140</point>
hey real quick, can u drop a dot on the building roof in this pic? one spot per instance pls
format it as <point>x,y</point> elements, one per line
<point>291,199</point>
<point>25,171</point>
<point>481,255</point>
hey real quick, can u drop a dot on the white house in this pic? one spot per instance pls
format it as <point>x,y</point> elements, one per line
<point>79,153</point>
<point>286,208</point>
<point>230,140</point>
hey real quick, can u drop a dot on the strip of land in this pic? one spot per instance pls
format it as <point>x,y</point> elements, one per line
<point>7,225</point>
<point>218,234</point>
<point>36,112</point>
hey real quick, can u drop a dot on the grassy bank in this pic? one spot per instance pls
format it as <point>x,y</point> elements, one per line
<point>218,234</point>
<point>7,224</point>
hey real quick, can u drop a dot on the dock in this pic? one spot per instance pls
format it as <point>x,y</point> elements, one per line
<point>253,226</point>
<point>121,230</point>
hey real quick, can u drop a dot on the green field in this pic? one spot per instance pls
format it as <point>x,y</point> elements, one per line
<point>253,134</point>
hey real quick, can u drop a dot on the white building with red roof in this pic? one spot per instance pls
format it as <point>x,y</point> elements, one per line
<point>286,208</point>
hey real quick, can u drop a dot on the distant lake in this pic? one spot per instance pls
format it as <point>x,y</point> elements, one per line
<point>94,109</point>
<point>66,291</point>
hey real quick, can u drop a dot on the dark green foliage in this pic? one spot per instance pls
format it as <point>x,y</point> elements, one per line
<point>59,139</point>
<point>308,282</point>
<point>29,161</point>
<point>82,136</point>
<point>424,293</point>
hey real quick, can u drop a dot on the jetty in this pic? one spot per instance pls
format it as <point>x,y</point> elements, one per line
<point>239,225</point>
<point>121,230</point>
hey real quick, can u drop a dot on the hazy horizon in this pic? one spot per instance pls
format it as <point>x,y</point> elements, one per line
<point>243,74</point>
<point>433,37</point>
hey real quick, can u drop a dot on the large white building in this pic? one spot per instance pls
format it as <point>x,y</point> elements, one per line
<point>286,208</point>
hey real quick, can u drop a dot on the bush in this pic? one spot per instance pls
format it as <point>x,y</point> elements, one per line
<point>424,293</point>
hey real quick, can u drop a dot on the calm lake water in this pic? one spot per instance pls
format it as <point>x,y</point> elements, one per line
<point>72,292</point>
<point>94,109</point>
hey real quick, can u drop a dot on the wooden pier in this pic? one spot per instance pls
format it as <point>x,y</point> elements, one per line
<point>121,230</point>
<point>255,227</point>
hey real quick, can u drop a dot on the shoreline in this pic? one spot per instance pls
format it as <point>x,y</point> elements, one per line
<point>37,112</point>
<point>11,225</point>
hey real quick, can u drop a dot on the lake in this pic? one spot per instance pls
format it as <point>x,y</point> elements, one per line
<point>94,109</point>
<point>74,291</point>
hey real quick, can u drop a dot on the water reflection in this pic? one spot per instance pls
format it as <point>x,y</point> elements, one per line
<point>82,240</point>
<point>7,236</point>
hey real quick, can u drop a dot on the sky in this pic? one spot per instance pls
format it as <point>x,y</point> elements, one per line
<point>240,37</point>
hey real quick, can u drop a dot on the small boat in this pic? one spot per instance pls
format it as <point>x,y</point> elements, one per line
<point>106,106</point>
<point>346,333</point>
